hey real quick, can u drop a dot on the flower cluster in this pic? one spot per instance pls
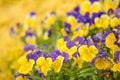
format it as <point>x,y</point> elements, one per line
<point>87,39</point>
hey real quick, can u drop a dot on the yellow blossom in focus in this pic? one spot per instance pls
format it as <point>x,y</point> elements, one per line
<point>100,63</point>
<point>110,4</point>
<point>25,65</point>
<point>114,22</point>
<point>86,6</point>
<point>88,53</point>
<point>72,20</point>
<point>102,22</point>
<point>78,61</point>
<point>43,64</point>
<point>57,64</point>
<point>116,67</point>
<point>110,39</point>
<point>71,51</point>
<point>61,45</point>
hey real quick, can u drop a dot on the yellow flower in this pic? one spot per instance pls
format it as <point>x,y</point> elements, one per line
<point>83,31</point>
<point>25,65</point>
<point>114,22</point>
<point>71,51</point>
<point>110,39</point>
<point>78,61</point>
<point>116,67</point>
<point>102,22</point>
<point>63,32</point>
<point>101,63</point>
<point>30,20</point>
<point>21,78</point>
<point>72,20</point>
<point>57,64</point>
<point>61,45</point>
<point>88,53</point>
<point>43,64</point>
<point>110,4</point>
<point>50,20</point>
<point>31,39</point>
<point>86,6</point>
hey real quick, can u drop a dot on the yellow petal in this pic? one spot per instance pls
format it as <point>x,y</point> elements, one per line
<point>40,61</point>
<point>110,39</point>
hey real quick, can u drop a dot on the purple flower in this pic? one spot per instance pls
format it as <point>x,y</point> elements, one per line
<point>117,56</point>
<point>67,27</point>
<point>32,56</point>
<point>66,56</point>
<point>29,47</point>
<point>12,31</point>
<point>89,42</point>
<point>117,13</point>
<point>80,40</point>
<point>49,32</point>
<point>76,9</point>
<point>29,33</point>
<point>66,38</point>
<point>73,13</point>
<point>70,44</point>
<point>92,1</point>
<point>32,14</point>
<point>97,37</point>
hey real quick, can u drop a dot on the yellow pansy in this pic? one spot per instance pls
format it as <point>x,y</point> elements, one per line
<point>110,39</point>
<point>50,19</point>
<point>25,65</point>
<point>21,78</point>
<point>57,64</point>
<point>114,22</point>
<point>78,61</point>
<point>101,63</point>
<point>72,20</point>
<point>45,36</point>
<point>71,51</point>
<point>86,6</point>
<point>110,4</point>
<point>43,64</point>
<point>30,20</point>
<point>30,39</point>
<point>116,67</point>
<point>83,31</point>
<point>63,32</point>
<point>61,45</point>
<point>102,22</point>
<point>88,53</point>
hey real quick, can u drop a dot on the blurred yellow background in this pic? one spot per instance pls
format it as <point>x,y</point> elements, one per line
<point>13,11</point>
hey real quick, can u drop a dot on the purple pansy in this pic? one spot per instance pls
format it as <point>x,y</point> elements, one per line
<point>70,44</point>
<point>32,14</point>
<point>67,27</point>
<point>29,47</point>
<point>117,56</point>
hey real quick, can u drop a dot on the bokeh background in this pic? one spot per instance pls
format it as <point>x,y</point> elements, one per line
<point>13,11</point>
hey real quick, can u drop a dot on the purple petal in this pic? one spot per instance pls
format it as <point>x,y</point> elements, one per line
<point>70,44</point>
<point>29,47</point>
<point>116,56</point>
